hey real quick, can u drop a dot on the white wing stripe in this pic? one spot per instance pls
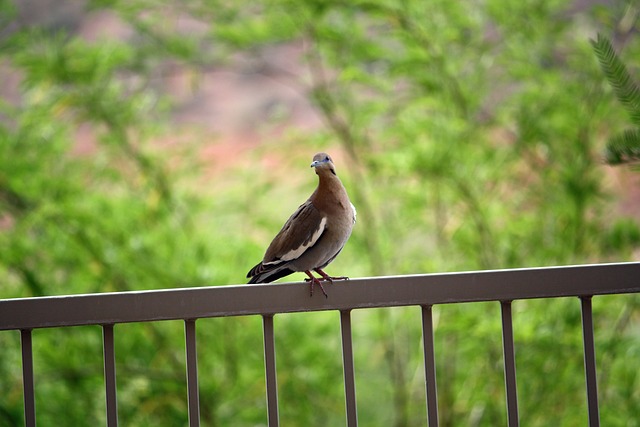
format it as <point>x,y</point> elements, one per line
<point>295,253</point>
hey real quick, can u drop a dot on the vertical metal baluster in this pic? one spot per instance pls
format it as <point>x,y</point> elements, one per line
<point>430,366</point>
<point>27,378</point>
<point>270,370</point>
<point>590,361</point>
<point>110,375</point>
<point>509,355</point>
<point>193,396</point>
<point>349,372</point>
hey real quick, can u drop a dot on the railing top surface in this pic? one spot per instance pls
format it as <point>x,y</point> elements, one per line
<point>392,291</point>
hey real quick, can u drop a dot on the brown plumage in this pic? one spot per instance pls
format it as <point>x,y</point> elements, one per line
<point>314,235</point>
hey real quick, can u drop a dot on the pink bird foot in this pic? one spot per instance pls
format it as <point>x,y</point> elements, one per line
<point>328,278</point>
<point>315,281</point>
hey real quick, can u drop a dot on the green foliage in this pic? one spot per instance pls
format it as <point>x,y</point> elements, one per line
<point>618,76</point>
<point>470,135</point>
<point>625,147</point>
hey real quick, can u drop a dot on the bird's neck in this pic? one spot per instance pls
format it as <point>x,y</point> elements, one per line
<point>330,190</point>
<point>328,182</point>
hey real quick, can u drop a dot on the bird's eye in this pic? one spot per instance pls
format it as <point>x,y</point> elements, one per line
<point>326,159</point>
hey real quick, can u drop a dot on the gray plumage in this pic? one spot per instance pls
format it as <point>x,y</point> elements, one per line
<point>314,235</point>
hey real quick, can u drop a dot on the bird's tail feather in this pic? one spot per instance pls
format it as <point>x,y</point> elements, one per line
<point>271,275</point>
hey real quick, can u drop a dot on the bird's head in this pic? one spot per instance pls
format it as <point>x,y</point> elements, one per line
<point>322,162</point>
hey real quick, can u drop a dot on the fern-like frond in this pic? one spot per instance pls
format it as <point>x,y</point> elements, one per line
<point>626,90</point>
<point>624,148</point>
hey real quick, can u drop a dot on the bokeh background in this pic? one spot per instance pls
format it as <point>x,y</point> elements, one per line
<point>161,144</point>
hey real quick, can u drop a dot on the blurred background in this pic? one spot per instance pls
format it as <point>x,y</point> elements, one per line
<point>162,144</point>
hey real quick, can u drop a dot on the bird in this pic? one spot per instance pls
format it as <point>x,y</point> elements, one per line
<point>314,235</point>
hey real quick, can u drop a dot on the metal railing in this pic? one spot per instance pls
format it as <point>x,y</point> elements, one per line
<point>503,286</point>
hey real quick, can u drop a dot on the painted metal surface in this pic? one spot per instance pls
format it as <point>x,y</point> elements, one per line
<point>193,394</point>
<point>430,366</point>
<point>110,375</point>
<point>217,301</point>
<point>509,357</point>
<point>267,300</point>
<point>349,372</point>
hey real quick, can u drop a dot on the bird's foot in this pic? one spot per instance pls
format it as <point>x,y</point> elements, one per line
<point>328,278</point>
<point>315,281</point>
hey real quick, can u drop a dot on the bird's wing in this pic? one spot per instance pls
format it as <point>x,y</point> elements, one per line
<point>301,231</point>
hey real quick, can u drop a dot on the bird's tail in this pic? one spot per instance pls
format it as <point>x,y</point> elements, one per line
<point>261,275</point>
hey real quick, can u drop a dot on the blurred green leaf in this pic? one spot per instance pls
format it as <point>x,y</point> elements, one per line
<point>469,138</point>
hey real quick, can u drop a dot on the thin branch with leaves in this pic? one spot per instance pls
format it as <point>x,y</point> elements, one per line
<point>625,147</point>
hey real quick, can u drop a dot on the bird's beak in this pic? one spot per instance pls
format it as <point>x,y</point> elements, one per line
<point>317,163</point>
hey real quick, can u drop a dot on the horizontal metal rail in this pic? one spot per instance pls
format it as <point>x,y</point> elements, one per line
<point>265,299</point>
<point>504,286</point>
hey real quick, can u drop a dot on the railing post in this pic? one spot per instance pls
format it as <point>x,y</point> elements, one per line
<point>349,372</point>
<point>509,355</point>
<point>192,373</point>
<point>270,370</point>
<point>27,378</point>
<point>590,361</point>
<point>110,375</point>
<point>429,366</point>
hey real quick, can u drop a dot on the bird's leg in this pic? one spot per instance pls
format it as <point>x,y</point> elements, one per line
<point>314,280</point>
<point>328,278</point>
